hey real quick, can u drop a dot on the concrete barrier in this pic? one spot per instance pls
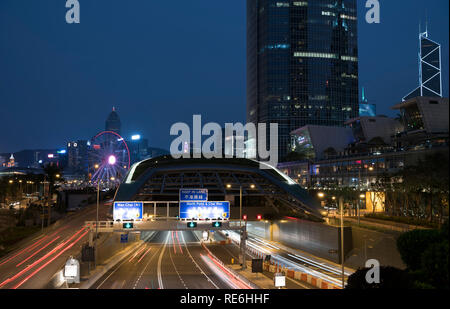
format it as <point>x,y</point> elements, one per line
<point>244,280</point>
<point>301,276</point>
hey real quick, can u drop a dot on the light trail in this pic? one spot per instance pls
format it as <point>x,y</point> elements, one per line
<point>179,245</point>
<point>222,273</point>
<point>282,260</point>
<point>158,270</point>
<point>173,242</point>
<point>137,252</point>
<point>40,260</point>
<point>26,249</point>
<point>196,264</point>
<point>51,260</point>
<point>148,250</point>
<point>322,266</point>
<point>38,251</point>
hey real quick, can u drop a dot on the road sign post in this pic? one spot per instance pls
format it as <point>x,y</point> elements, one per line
<point>123,238</point>
<point>279,280</point>
<point>205,210</point>
<point>193,195</point>
<point>128,210</point>
<point>72,271</point>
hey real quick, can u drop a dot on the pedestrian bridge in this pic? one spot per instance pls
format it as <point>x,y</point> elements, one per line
<point>161,178</point>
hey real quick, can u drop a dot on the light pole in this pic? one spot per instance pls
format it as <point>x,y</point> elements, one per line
<point>240,205</point>
<point>96,224</point>
<point>341,207</point>
<point>243,231</point>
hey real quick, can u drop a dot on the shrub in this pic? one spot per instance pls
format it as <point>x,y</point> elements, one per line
<point>435,264</point>
<point>412,244</point>
<point>390,278</point>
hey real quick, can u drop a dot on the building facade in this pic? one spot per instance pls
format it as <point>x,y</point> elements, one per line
<point>430,79</point>
<point>383,147</point>
<point>302,64</point>
<point>113,122</point>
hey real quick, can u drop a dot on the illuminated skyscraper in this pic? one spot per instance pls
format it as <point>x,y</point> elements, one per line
<point>365,108</point>
<point>113,122</point>
<point>302,64</point>
<point>430,81</point>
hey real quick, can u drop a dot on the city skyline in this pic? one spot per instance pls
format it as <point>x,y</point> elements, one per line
<point>137,94</point>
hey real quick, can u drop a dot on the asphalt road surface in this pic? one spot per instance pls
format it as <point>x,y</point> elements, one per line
<point>38,258</point>
<point>167,260</point>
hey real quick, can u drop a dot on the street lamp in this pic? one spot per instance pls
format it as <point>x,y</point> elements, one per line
<point>321,194</point>
<point>96,224</point>
<point>244,233</point>
<point>341,207</point>
<point>361,196</point>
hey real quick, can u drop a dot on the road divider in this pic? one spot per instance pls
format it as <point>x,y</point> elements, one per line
<point>301,276</point>
<point>245,282</point>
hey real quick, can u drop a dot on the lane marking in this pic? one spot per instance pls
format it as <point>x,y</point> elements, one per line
<point>143,270</point>
<point>179,276</point>
<point>190,255</point>
<point>160,282</point>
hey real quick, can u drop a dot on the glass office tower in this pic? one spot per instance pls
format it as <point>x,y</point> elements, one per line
<point>302,64</point>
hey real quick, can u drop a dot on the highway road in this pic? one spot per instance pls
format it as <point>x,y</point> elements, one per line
<point>168,260</point>
<point>38,258</point>
<point>300,262</point>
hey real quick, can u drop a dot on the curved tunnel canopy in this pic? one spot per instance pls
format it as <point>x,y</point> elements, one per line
<point>161,178</point>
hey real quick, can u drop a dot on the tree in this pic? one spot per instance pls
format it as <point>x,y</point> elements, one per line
<point>411,244</point>
<point>435,265</point>
<point>425,252</point>
<point>52,171</point>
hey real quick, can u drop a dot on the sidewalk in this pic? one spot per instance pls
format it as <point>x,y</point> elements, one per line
<point>259,279</point>
<point>265,280</point>
<point>100,270</point>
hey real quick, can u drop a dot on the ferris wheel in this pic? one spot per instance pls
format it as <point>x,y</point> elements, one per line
<point>109,159</point>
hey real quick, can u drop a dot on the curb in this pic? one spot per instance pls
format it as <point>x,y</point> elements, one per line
<point>115,260</point>
<point>232,272</point>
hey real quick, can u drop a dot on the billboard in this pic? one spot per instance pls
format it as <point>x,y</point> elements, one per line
<point>128,210</point>
<point>187,195</point>
<point>204,210</point>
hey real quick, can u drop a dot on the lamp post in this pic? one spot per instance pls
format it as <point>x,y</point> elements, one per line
<point>341,207</point>
<point>240,205</point>
<point>96,224</point>
<point>243,231</point>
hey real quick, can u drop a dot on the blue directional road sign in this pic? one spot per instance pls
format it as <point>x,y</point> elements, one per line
<point>123,238</point>
<point>204,210</point>
<point>128,210</point>
<point>189,195</point>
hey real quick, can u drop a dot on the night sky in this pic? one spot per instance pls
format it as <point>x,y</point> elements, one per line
<point>159,62</point>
